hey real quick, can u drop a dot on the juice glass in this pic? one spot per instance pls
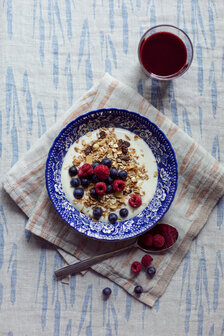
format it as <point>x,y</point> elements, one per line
<point>165,52</point>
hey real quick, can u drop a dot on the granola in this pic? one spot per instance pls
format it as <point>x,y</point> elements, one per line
<point>123,156</point>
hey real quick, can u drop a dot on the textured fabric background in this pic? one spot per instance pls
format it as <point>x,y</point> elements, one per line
<point>51,52</point>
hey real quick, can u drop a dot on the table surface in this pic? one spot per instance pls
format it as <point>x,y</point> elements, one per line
<point>51,53</point>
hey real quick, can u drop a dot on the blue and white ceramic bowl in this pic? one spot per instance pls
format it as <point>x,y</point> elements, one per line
<point>166,164</point>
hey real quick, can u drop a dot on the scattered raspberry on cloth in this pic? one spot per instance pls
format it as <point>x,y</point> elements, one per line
<point>146,260</point>
<point>136,267</point>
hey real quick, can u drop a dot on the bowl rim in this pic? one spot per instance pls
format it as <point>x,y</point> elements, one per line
<point>176,74</point>
<point>91,113</point>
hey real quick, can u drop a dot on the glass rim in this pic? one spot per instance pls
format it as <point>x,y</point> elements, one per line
<point>179,72</point>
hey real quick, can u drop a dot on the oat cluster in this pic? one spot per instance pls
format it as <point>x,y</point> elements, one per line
<point>123,157</point>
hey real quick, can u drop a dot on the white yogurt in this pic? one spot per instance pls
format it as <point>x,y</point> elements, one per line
<point>146,158</point>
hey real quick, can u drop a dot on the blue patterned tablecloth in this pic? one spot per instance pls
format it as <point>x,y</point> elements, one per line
<point>51,52</point>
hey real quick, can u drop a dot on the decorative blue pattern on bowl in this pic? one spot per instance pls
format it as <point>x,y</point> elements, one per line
<point>167,173</point>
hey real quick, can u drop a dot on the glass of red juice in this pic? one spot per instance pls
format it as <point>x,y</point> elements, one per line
<point>165,52</point>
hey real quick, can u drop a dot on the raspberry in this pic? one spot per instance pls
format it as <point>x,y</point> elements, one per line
<point>85,170</point>
<point>118,185</point>
<point>146,240</point>
<point>146,260</point>
<point>100,187</point>
<point>169,233</point>
<point>135,201</point>
<point>136,267</point>
<point>102,172</point>
<point>169,240</point>
<point>158,240</point>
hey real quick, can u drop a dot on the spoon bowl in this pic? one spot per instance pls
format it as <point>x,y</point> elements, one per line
<point>143,242</point>
<point>166,232</point>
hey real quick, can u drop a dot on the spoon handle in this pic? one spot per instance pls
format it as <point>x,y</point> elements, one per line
<point>84,264</point>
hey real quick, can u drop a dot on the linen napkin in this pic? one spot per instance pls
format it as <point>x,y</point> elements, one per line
<point>200,186</point>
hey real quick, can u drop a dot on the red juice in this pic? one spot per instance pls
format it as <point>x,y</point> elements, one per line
<point>163,54</point>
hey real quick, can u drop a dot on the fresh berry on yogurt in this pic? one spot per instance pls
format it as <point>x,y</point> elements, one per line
<point>93,193</point>
<point>112,218</point>
<point>114,173</point>
<point>78,193</point>
<point>102,172</point>
<point>123,213</point>
<point>75,182</point>
<point>135,201</point>
<point>106,162</point>
<point>109,180</point>
<point>95,164</point>
<point>97,213</point>
<point>100,188</point>
<point>73,171</point>
<point>85,170</point>
<point>85,182</point>
<point>123,175</point>
<point>109,189</point>
<point>118,185</point>
<point>94,178</point>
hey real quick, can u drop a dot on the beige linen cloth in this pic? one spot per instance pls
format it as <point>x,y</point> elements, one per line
<point>200,186</point>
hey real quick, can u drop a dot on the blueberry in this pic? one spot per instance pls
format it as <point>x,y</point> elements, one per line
<point>95,164</point>
<point>112,218</point>
<point>123,212</point>
<point>78,193</point>
<point>107,291</point>
<point>73,171</point>
<point>93,193</point>
<point>123,175</point>
<point>97,213</point>
<point>138,290</point>
<point>151,271</point>
<point>74,182</point>
<point>114,173</point>
<point>85,182</point>
<point>109,189</point>
<point>95,179</point>
<point>106,162</point>
<point>109,180</point>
